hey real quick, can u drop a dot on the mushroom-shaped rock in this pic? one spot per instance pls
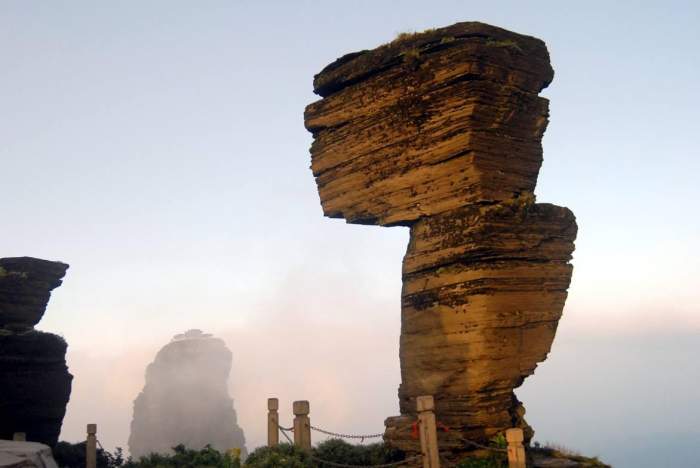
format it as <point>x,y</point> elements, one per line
<point>441,131</point>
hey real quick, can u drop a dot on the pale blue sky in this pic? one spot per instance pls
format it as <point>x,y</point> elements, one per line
<point>158,147</point>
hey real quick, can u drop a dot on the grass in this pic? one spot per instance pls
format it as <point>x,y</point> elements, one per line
<point>559,451</point>
<point>4,273</point>
<point>405,35</point>
<point>504,43</point>
<point>412,53</point>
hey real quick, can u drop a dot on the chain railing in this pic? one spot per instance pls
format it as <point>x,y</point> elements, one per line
<point>482,446</point>
<point>424,428</point>
<point>284,431</point>
<point>322,462</point>
<point>339,435</point>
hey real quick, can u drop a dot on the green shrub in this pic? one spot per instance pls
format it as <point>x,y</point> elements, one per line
<point>339,451</point>
<point>69,455</point>
<point>332,450</point>
<point>187,458</point>
<point>281,456</point>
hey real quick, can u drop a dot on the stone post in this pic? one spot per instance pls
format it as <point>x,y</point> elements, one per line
<point>273,419</point>
<point>19,436</point>
<point>425,405</point>
<point>516,450</point>
<point>302,425</point>
<point>91,447</point>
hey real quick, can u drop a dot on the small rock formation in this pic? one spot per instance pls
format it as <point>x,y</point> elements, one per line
<point>185,399</point>
<point>441,131</point>
<point>35,383</point>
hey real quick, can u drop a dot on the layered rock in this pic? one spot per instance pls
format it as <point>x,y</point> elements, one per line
<point>441,131</point>
<point>185,399</point>
<point>34,378</point>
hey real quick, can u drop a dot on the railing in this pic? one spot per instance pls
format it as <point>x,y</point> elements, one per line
<point>426,427</point>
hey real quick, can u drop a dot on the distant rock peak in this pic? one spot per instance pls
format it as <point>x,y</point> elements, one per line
<point>185,399</point>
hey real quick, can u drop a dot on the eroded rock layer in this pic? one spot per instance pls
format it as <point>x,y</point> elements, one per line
<point>441,131</point>
<point>34,379</point>
<point>429,123</point>
<point>25,288</point>
<point>185,399</point>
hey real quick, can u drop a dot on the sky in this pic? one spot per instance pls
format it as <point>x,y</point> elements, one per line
<point>158,147</point>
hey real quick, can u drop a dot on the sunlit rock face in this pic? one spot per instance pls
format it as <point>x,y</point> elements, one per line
<point>185,399</point>
<point>35,383</point>
<point>441,132</point>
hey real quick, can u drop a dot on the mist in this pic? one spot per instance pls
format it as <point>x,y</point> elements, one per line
<point>629,398</point>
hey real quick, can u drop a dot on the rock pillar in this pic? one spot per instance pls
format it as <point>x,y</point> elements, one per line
<point>35,383</point>
<point>441,132</point>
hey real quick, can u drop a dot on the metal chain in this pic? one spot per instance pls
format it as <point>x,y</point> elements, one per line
<point>385,465</point>
<point>99,443</point>
<point>284,430</point>
<point>485,447</point>
<point>347,436</point>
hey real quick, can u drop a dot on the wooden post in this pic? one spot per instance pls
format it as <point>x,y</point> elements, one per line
<point>516,450</point>
<point>425,405</point>
<point>273,420</point>
<point>302,425</point>
<point>19,436</point>
<point>91,446</point>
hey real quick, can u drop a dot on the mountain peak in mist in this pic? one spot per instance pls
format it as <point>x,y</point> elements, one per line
<point>185,399</point>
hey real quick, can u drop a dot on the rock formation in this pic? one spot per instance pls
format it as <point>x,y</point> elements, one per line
<point>34,380</point>
<point>185,399</point>
<point>441,131</point>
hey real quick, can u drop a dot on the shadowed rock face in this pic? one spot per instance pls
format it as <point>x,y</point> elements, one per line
<point>185,399</point>
<point>441,131</point>
<point>34,377</point>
